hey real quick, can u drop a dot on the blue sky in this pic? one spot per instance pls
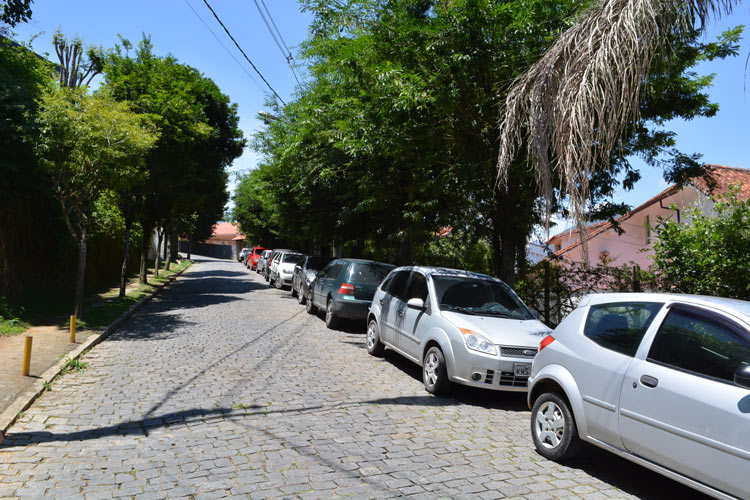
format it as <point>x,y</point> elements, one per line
<point>175,29</point>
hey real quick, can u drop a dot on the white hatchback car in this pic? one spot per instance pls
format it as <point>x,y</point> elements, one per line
<point>460,327</point>
<point>659,379</point>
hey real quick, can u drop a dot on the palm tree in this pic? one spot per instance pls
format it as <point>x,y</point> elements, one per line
<point>572,107</point>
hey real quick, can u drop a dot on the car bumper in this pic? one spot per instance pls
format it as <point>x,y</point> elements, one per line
<point>286,279</point>
<point>352,308</point>
<point>489,372</point>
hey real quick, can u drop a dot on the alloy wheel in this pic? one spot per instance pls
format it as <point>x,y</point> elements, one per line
<point>550,425</point>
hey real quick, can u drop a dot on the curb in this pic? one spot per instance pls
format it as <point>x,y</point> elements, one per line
<point>26,399</point>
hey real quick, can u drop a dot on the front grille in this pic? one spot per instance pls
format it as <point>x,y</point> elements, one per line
<point>509,379</point>
<point>490,377</point>
<point>518,352</point>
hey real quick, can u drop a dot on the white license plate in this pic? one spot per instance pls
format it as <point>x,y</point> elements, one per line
<point>522,369</point>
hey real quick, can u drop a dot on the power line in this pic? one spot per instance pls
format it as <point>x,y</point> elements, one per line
<point>288,54</point>
<point>224,46</point>
<point>243,52</point>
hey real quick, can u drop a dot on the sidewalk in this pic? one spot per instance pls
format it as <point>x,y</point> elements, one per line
<point>51,348</point>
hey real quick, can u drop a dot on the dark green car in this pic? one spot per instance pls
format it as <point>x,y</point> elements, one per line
<point>344,289</point>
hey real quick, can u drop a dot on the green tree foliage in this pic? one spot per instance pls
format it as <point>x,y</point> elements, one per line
<point>394,138</point>
<point>199,138</point>
<point>90,144</point>
<point>13,12</point>
<point>708,255</point>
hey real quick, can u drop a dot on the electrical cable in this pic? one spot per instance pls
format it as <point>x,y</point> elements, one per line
<point>243,52</point>
<point>288,54</point>
<point>225,47</point>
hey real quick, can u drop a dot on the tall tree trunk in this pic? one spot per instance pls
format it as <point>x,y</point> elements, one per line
<point>157,262</point>
<point>189,245</point>
<point>125,259</point>
<point>81,271</point>
<point>145,246</point>
<point>174,245</point>
<point>167,251</point>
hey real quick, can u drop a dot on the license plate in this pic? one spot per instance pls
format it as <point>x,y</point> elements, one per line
<point>522,369</point>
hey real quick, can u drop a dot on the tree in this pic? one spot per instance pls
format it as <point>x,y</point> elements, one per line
<point>13,12</point>
<point>572,108</point>
<point>707,256</point>
<point>89,143</point>
<point>199,138</point>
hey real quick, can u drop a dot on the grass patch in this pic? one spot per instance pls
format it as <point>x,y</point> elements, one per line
<point>74,365</point>
<point>13,326</point>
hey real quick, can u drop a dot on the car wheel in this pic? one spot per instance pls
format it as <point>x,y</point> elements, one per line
<point>294,290</point>
<point>374,346</point>
<point>279,284</point>
<point>553,428</point>
<point>332,321</point>
<point>434,372</point>
<point>310,307</point>
<point>301,296</point>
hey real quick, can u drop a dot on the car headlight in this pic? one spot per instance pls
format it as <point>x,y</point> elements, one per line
<point>477,342</point>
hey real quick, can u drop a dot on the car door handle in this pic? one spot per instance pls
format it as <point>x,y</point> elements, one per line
<point>649,381</point>
<point>382,300</point>
<point>400,312</point>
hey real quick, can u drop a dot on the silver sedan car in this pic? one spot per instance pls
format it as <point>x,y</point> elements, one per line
<point>661,380</point>
<point>461,327</point>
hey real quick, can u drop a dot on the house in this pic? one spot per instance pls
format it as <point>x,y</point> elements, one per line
<point>634,245</point>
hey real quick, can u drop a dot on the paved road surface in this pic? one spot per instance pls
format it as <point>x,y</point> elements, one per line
<point>224,387</point>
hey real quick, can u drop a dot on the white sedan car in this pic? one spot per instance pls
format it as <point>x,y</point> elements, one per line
<point>461,327</point>
<point>662,380</point>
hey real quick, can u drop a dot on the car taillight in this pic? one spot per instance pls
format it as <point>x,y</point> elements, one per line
<point>346,289</point>
<point>545,342</point>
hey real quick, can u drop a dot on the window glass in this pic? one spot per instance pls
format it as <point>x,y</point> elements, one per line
<point>292,257</point>
<point>397,284</point>
<point>701,342</point>
<point>620,326</point>
<point>333,269</point>
<point>417,287</point>
<point>317,263</point>
<point>368,272</point>
<point>258,251</point>
<point>479,296</point>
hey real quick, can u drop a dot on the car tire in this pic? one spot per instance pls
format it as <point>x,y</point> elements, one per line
<point>435,373</point>
<point>374,346</point>
<point>301,296</point>
<point>278,283</point>
<point>310,307</point>
<point>553,428</point>
<point>332,321</point>
<point>294,290</point>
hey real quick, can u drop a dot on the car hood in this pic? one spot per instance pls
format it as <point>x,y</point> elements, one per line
<point>502,331</point>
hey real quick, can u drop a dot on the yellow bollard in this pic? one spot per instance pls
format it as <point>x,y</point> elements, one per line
<point>72,328</point>
<point>27,356</point>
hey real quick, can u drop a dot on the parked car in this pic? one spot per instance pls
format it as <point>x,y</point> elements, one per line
<point>344,289</point>
<point>262,260</point>
<point>253,256</point>
<point>304,273</point>
<point>460,327</point>
<point>243,254</point>
<point>283,269</point>
<point>661,380</point>
<point>273,260</point>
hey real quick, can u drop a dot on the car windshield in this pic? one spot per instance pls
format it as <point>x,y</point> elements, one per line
<point>368,272</point>
<point>478,296</point>
<point>291,258</point>
<point>317,263</point>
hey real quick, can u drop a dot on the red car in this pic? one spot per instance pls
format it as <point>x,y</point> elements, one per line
<point>252,259</point>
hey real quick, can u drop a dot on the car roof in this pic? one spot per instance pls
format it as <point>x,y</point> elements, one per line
<point>366,261</point>
<point>729,305</point>
<point>446,271</point>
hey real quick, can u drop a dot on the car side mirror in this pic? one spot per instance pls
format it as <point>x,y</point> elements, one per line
<point>416,303</point>
<point>742,376</point>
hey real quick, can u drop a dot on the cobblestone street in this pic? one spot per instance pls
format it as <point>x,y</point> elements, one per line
<point>226,387</point>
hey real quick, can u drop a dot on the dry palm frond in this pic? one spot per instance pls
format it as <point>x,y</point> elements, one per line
<point>573,106</point>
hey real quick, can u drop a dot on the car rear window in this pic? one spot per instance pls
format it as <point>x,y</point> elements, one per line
<point>292,257</point>
<point>317,263</point>
<point>620,326</point>
<point>259,251</point>
<point>368,272</point>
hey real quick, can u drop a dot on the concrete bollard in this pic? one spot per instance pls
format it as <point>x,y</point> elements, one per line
<point>27,356</point>
<point>72,328</point>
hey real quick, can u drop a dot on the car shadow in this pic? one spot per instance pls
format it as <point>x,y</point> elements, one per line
<point>629,477</point>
